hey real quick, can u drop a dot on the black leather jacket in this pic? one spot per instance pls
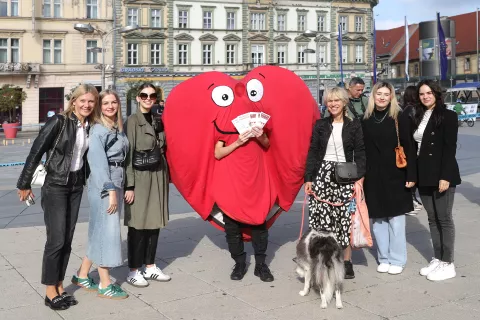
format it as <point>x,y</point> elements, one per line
<point>353,145</point>
<point>59,166</point>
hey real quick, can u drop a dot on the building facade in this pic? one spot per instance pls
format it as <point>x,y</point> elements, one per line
<point>42,53</point>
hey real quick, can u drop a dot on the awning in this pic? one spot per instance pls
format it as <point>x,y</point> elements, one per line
<point>466,86</point>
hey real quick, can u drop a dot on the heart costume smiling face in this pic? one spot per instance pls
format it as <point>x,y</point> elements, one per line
<point>247,183</point>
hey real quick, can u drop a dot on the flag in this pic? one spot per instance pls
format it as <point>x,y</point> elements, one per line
<point>374,53</point>
<point>340,53</point>
<point>442,50</point>
<point>407,49</point>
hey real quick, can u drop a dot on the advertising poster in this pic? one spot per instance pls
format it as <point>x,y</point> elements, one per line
<point>428,49</point>
<point>448,42</point>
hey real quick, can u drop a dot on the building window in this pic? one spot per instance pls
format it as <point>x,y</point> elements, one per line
<point>91,55</point>
<point>50,99</point>
<point>258,54</point>
<point>14,50</point>
<point>343,23</point>
<point>3,50</point>
<point>281,54</point>
<point>358,24</point>
<point>415,70</point>
<point>322,53</point>
<point>52,47</point>
<point>302,22</point>
<point>156,53</point>
<point>207,19</point>
<point>132,17</point>
<point>183,19</point>
<point>132,53</point>
<point>230,20</point>
<point>156,18</point>
<point>3,8</point>
<point>467,64</point>
<point>301,55</point>
<point>359,54</point>
<point>47,8</point>
<point>207,54</point>
<point>14,8</point>
<point>57,8</point>
<point>321,23</point>
<point>344,54</point>
<point>230,54</point>
<point>92,9</point>
<point>183,54</point>
<point>281,20</point>
<point>257,21</point>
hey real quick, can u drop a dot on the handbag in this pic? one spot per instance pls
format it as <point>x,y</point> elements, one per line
<point>345,172</point>
<point>400,157</point>
<point>40,173</point>
<point>360,235</point>
<point>147,160</point>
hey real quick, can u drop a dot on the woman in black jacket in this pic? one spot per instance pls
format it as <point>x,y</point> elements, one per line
<point>435,129</point>
<point>336,138</point>
<point>387,187</point>
<point>65,140</point>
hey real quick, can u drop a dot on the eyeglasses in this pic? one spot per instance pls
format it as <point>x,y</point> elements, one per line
<point>145,96</point>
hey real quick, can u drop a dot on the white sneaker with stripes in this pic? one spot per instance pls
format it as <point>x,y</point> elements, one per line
<point>136,279</point>
<point>155,273</point>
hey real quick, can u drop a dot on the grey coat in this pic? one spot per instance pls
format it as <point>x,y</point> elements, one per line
<point>149,209</point>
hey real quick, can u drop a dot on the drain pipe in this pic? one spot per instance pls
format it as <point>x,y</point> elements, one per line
<point>114,40</point>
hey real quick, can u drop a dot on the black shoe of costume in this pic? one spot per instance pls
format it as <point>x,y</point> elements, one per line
<point>239,271</point>
<point>69,299</point>
<point>262,271</point>
<point>56,303</point>
<point>349,274</point>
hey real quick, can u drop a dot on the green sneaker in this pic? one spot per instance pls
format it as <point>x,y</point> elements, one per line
<point>112,292</point>
<point>87,283</point>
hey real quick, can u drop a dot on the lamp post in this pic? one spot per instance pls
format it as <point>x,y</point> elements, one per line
<point>88,28</point>
<point>313,34</point>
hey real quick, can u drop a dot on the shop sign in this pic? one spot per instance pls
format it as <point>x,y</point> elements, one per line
<point>144,70</point>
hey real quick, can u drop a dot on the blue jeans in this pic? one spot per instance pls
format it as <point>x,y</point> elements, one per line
<point>391,240</point>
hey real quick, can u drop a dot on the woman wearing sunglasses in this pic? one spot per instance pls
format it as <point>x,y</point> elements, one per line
<point>146,185</point>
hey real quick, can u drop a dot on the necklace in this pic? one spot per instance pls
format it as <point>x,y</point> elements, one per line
<point>379,120</point>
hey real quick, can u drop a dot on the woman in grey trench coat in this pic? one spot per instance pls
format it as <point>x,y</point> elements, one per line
<point>146,195</point>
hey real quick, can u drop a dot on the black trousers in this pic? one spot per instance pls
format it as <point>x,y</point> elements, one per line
<point>442,229</point>
<point>60,205</point>
<point>142,247</point>
<point>235,241</point>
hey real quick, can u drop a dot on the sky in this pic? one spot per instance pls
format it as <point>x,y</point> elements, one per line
<point>391,13</point>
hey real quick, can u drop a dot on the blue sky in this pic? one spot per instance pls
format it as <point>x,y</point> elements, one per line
<point>391,13</point>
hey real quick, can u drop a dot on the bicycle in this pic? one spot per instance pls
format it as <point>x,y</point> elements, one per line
<point>468,121</point>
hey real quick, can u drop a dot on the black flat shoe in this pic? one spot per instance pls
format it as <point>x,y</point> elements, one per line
<point>349,273</point>
<point>262,271</point>
<point>69,299</point>
<point>56,303</point>
<point>239,271</point>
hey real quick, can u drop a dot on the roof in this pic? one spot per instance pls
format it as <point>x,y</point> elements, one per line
<point>413,46</point>
<point>386,39</point>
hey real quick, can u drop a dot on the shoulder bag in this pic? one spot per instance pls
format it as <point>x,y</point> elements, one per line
<point>148,159</point>
<point>40,173</point>
<point>345,172</point>
<point>400,157</point>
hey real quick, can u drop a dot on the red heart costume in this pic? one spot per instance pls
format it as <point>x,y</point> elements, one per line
<point>249,183</point>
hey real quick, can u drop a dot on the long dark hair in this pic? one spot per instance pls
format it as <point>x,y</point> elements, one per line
<point>410,97</point>
<point>146,85</point>
<point>438,110</point>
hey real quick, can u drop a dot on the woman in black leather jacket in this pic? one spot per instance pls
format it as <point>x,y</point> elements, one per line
<point>336,138</point>
<point>65,140</point>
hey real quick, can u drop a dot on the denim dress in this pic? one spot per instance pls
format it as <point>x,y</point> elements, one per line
<point>104,240</point>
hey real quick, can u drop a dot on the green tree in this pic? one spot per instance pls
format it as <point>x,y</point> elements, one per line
<point>10,98</point>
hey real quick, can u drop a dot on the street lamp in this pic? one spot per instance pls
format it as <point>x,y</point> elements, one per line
<point>313,34</point>
<point>88,28</point>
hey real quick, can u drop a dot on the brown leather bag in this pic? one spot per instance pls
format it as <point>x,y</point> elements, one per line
<point>400,157</point>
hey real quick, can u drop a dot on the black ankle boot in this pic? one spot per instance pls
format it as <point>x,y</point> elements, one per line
<point>262,271</point>
<point>239,271</point>
<point>349,274</point>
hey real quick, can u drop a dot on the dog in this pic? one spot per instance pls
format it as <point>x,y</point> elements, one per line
<point>320,261</point>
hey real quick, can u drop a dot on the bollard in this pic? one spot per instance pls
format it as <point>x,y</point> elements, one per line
<point>13,141</point>
<point>28,140</point>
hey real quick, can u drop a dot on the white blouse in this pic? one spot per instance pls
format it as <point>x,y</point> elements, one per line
<point>418,134</point>
<point>81,146</point>
<point>330,154</point>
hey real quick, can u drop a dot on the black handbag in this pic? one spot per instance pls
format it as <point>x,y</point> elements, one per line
<point>147,159</point>
<point>345,172</point>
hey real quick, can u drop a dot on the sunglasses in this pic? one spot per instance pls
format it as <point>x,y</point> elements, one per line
<point>145,96</point>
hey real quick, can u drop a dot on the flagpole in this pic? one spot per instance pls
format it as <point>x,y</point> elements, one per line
<point>407,53</point>
<point>478,57</point>
<point>438,49</point>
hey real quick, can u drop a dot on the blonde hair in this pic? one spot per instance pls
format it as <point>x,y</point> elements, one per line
<point>101,118</point>
<point>80,91</point>
<point>339,93</point>
<point>394,107</point>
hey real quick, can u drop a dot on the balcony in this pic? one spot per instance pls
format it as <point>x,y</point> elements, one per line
<point>19,68</point>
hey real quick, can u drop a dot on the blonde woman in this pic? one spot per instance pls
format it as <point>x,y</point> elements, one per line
<point>336,138</point>
<point>65,140</point>
<point>108,149</point>
<point>387,187</point>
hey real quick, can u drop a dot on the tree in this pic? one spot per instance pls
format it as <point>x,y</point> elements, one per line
<point>10,98</point>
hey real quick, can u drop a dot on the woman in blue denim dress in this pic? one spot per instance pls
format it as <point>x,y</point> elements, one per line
<point>108,149</point>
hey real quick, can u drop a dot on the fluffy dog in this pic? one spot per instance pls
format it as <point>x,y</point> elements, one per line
<point>320,262</point>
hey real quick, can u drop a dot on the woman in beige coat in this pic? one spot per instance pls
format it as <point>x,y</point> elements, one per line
<point>146,195</point>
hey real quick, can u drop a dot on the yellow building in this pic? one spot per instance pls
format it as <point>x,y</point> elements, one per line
<point>41,52</point>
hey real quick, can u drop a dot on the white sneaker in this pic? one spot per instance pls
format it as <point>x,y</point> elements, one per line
<point>443,272</point>
<point>136,279</point>
<point>431,266</point>
<point>383,267</point>
<point>417,206</point>
<point>412,213</point>
<point>395,269</point>
<point>155,273</point>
